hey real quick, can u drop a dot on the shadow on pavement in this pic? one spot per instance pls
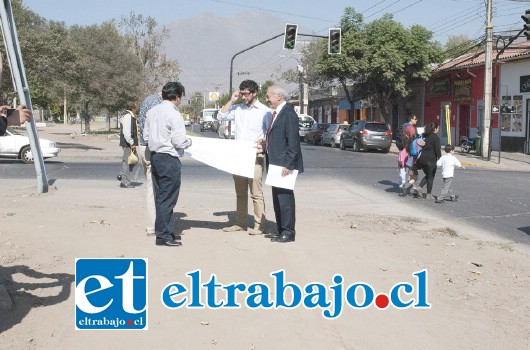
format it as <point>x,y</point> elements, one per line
<point>77,146</point>
<point>56,287</point>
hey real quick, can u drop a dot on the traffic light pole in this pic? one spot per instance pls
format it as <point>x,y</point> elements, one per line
<point>261,43</point>
<point>245,50</point>
<point>21,85</point>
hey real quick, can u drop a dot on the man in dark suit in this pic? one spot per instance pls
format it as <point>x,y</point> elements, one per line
<point>283,149</point>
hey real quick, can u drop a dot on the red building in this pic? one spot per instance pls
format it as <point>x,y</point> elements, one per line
<point>456,87</point>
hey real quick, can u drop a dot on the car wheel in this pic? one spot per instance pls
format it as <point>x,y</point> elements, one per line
<point>333,144</point>
<point>356,147</point>
<point>26,155</point>
<point>386,150</point>
<point>305,139</point>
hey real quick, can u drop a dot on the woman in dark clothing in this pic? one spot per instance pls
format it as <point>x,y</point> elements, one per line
<point>430,153</point>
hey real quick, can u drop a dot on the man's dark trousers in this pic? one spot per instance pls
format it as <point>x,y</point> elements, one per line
<point>165,170</point>
<point>284,210</point>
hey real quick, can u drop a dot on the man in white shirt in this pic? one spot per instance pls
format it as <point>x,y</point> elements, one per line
<point>128,141</point>
<point>251,121</point>
<point>165,134</point>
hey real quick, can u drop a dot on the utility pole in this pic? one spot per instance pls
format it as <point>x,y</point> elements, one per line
<point>301,88</point>
<point>488,78</point>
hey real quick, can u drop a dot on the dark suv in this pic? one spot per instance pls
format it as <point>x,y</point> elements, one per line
<point>367,134</point>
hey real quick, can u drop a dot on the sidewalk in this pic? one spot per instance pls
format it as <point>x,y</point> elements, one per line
<point>477,286</point>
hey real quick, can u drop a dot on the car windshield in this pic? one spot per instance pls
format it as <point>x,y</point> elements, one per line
<point>379,127</point>
<point>13,131</point>
<point>344,126</point>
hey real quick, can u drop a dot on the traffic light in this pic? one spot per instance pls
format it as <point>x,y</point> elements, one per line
<point>526,19</point>
<point>290,36</point>
<point>334,41</point>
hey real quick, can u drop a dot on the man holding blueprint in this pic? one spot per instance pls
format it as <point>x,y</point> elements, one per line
<point>251,118</point>
<point>284,161</point>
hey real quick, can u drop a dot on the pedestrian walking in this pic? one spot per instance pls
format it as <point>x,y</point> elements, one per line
<point>448,162</point>
<point>128,142</point>
<point>430,154</point>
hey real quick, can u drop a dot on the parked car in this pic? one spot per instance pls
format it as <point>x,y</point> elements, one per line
<point>15,145</point>
<point>206,125</point>
<point>314,135</point>
<point>367,134</point>
<point>332,134</point>
<point>305,122</point>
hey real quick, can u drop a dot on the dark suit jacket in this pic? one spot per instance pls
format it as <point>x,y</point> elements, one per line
<point>284,141</point>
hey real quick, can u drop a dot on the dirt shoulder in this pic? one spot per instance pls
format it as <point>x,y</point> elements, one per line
<point>477,283</point>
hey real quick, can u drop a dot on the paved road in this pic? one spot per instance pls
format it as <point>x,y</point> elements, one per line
<point>496,200</point>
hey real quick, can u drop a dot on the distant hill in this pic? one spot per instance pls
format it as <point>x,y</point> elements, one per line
<point>204,46</point>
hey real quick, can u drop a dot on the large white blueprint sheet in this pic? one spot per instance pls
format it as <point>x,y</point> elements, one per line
<point>237,157</point>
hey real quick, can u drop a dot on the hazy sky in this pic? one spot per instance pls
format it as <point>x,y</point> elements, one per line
<point>443,17</point>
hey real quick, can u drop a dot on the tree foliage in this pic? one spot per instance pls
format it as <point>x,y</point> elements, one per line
<point>146,40</point>
<point>97,68</point>
<point>380,60</point>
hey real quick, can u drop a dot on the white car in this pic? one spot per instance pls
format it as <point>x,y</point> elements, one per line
<point>14,145</point>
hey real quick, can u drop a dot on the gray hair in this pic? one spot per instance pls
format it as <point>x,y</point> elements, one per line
<point>278,90</point>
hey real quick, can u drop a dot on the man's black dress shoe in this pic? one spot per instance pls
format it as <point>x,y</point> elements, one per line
<point>283,239</point>
<point>271,235</point>
<point>168,242</point>
<point>118,177</point>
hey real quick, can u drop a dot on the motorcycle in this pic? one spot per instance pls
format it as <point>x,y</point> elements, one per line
<point>468,144</point>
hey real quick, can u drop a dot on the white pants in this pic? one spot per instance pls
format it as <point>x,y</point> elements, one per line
<point>404,176</point>
<point>145,157</point>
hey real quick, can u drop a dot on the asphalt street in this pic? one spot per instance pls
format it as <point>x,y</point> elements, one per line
<point>496,200</point>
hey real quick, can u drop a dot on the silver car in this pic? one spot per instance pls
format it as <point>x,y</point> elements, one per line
<point>367,134</point>
<point>332,134</point>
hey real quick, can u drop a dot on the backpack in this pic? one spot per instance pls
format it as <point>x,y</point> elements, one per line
<point>402,158</point>
<point>401,140</point>
<point>415,146</point>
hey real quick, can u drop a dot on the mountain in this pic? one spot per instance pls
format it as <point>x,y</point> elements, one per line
<point>205,44</point>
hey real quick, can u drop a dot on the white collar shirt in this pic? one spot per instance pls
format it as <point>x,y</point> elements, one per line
<point>164,130</point>
<point>251,122</point>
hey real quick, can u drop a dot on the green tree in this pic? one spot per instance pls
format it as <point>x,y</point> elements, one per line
<point>107,75</point>
<point>380,60</point>
<point>48,61</point>
<point>458,45</point>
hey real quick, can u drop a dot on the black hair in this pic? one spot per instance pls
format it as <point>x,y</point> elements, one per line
<point>429,128</point>
<point>449,148</point>
<point>249,85</point>
<point>410,117</point>
<point>132,105</point>
<point>172,90</point>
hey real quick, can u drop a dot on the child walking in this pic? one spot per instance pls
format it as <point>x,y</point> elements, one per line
<point>448,163</point>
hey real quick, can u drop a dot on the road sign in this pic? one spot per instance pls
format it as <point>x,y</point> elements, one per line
<point>495,109</point>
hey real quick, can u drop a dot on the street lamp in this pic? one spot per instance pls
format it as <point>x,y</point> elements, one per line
<point>300,70</point>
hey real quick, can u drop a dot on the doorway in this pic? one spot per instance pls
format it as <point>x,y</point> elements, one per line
<point>464,117</point>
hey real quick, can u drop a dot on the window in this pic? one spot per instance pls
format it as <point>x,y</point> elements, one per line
<point>512,114</point>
